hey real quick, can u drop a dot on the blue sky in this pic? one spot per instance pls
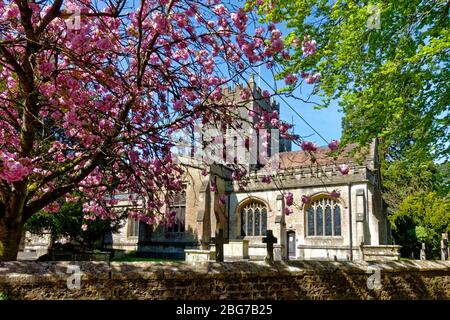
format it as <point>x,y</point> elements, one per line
<point>326,121</point>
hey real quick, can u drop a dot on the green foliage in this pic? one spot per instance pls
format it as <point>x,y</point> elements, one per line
<point>68,223</point>
<point>4,296</point>
<point>392,82</point>
<point>404,178</point>
<point>415,192</point>
<point>422,217</point>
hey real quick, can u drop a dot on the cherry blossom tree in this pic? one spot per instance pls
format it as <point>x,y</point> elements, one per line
<point>93,93</point>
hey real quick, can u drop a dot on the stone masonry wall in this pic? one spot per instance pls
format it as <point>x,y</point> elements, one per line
<point>230,280</point>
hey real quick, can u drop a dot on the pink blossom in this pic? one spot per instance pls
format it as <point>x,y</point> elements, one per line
<point>309,47</point>
<point>333,145</point>
<point>266,179</point>
<point>245,94</point>
<point>291,79</point>
<point>47,68</point>
<point>223,199</point>
<point>84,227</point>
<point>52,208</point>
<point>12,12</point>
<point>123,88</point>
<point>220,9</point>
<point>275,122</point>
<point>12,170</point>
<point>288,211</point>
<point>344,169</point>
<point>289,199</point>
<point>238,174</point>
<point>179,105</point>
<point>239,19</point>
<point>306,199</point>
<point>335,194</point>
<point>309,146</point>
<point>104,44</point>
<point>160,23</point>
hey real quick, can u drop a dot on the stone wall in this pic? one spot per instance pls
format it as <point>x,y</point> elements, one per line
<point>232,280</point>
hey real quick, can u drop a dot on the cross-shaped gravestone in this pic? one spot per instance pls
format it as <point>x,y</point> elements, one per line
<point>269,239</point>
<point>444,247</point>
<point>219,240</point>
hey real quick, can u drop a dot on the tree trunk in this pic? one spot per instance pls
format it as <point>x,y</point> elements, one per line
<point>10,235</point>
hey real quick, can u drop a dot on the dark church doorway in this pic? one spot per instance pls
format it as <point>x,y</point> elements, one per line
<point>291,244</point>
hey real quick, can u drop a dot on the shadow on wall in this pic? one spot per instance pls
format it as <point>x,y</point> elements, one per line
<point>160,243</point>
<point>232,280</point>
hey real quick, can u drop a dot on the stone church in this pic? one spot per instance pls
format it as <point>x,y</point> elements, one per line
<point>343,218</point>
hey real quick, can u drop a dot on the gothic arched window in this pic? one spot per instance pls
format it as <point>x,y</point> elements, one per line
<point>254,219</point>
<point>324,218</point>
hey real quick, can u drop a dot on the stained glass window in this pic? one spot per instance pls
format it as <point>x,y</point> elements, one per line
<point>328,221</point>
<point>324,218</point>
<point>319,226</point>
<point>254,219</point>
<point>264,221</point>
<point>257,222</point>
<point>311,223</point>
<point>250,222</point>
<point>337,221</point>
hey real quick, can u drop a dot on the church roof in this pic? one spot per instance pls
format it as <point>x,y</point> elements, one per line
<point>296,159</point>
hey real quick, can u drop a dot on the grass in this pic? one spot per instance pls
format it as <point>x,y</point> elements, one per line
<point>4,296</point>
<point>135,257</point>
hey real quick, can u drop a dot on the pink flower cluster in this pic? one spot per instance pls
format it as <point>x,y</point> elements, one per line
<point>213,187</point>
<point>238,174</point>
<point>266,179</point>
<point>289,197</point>
<point>335,194</point>
<point>343,169</point>
<point>291,79</point>
<point>13,169</point>
<point>306,199</point>
<point>239,19</point>
<point>333,145</point>
<point>309,47</point>
<point>309,146</point>
<point>117,89</point>
<point>311,78</point>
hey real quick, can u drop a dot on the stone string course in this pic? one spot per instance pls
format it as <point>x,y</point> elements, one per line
<point>229,280</point>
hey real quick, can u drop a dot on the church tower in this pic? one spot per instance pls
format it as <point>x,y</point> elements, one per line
<point>252,105</point>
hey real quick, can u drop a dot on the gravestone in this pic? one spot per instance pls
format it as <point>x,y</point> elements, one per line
<point>444,247</point>
<point>422,252</point>
<point>270,240</point>
<point>219,241</point>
